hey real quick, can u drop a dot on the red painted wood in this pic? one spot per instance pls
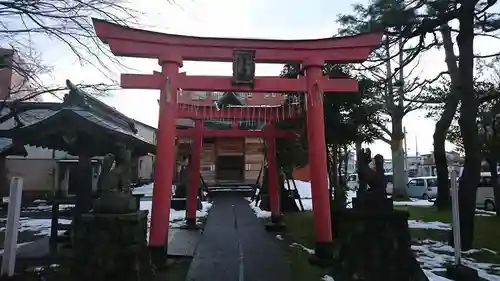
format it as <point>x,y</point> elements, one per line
<point>317,158</point>
<point>236,133</point>
<point>107,30</point>
<point>125,41</point>
<point>164,165</point>
<point>194,53</point>
<point>194,173</point>
<point>224,84</point>
<point>247,113</point>
<point>274,198</point>
<point>142,81</point>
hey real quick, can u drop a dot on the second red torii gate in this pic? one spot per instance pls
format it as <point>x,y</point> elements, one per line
<point>269,134</point>
<point>172,50</point>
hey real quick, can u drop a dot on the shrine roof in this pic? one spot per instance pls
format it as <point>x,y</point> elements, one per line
<point>7,147</point>
<point>97,127</point>
<point>231,99</point>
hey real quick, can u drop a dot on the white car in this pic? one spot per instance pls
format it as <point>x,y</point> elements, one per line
<point>422,187</point>
<point>485,198</point>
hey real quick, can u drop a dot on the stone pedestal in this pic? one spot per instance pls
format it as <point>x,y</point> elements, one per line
<point>374,245</point>
<point>112,247</point>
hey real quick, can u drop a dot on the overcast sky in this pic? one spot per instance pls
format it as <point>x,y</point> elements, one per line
<point>278,19</point>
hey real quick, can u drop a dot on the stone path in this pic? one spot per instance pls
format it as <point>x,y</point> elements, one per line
<point>182,242</point>
<point>235,246</point>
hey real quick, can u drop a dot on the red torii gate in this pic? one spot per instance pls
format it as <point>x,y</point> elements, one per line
<point>172,50</point>
<point>269,134</point>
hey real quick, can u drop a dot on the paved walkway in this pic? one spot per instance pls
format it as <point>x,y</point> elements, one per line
<point>235,246</point>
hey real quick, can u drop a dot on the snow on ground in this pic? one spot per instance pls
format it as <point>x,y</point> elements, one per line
<point>414,202</point>
<point>434,277</point>
<point>435,255</point>
<point>43,207</point>
<point>147,190</point>
<point>485,213</point>
<point>38,227</point>
<point>258,212</point>
<point>432,255</point>
<point>429,225</point>
<point>297,245</point>
<point>177,218</point>
<point>304,189</point>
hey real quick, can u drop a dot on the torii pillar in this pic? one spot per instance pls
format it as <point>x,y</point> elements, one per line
<point>317,158</point>
<point>194,175</point>
<point>165,159</point>
<point>273,185</point>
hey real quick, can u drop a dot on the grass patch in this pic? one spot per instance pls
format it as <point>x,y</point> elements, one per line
<point>486,231</point>
<point>301,231</point>
<point>486,228</point>
<point>426,213</point>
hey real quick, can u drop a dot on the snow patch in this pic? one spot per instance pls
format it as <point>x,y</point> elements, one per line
<point>177,218</point>
<point>258,212</point>
<point>434,277</point>
<point>429,225</point>
<point>147,190</point>
<point>480,212</point>
<point>303,187</point>
<point>327,278</point>
<point>297,245</point>
<point>414,202</point>
<point>304,190</point>
<point>39,227</point>
<point>435,255</point>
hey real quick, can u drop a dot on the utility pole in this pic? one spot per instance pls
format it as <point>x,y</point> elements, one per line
<point>406,150</point>
<point>416,146</point>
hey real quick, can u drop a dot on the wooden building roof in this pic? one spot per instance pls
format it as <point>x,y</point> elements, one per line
<point>81,123</point>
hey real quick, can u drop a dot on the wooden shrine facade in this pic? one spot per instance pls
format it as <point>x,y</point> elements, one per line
<point>226,160</point>
<point>230,153</point>
<point>172,50</point>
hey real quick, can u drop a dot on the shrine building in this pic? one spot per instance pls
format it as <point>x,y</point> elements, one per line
<point>227,160</point>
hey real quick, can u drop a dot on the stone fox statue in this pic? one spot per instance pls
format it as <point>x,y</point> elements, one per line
<point>375,179</point>
<point>115,173</point>
<point>114,184</point>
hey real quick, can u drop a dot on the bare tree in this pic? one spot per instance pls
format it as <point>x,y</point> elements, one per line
<point>394,66</point>
<point>23,23</point>
<point>473,16</point>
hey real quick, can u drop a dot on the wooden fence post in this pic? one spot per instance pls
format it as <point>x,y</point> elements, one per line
<point>14,212</point>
